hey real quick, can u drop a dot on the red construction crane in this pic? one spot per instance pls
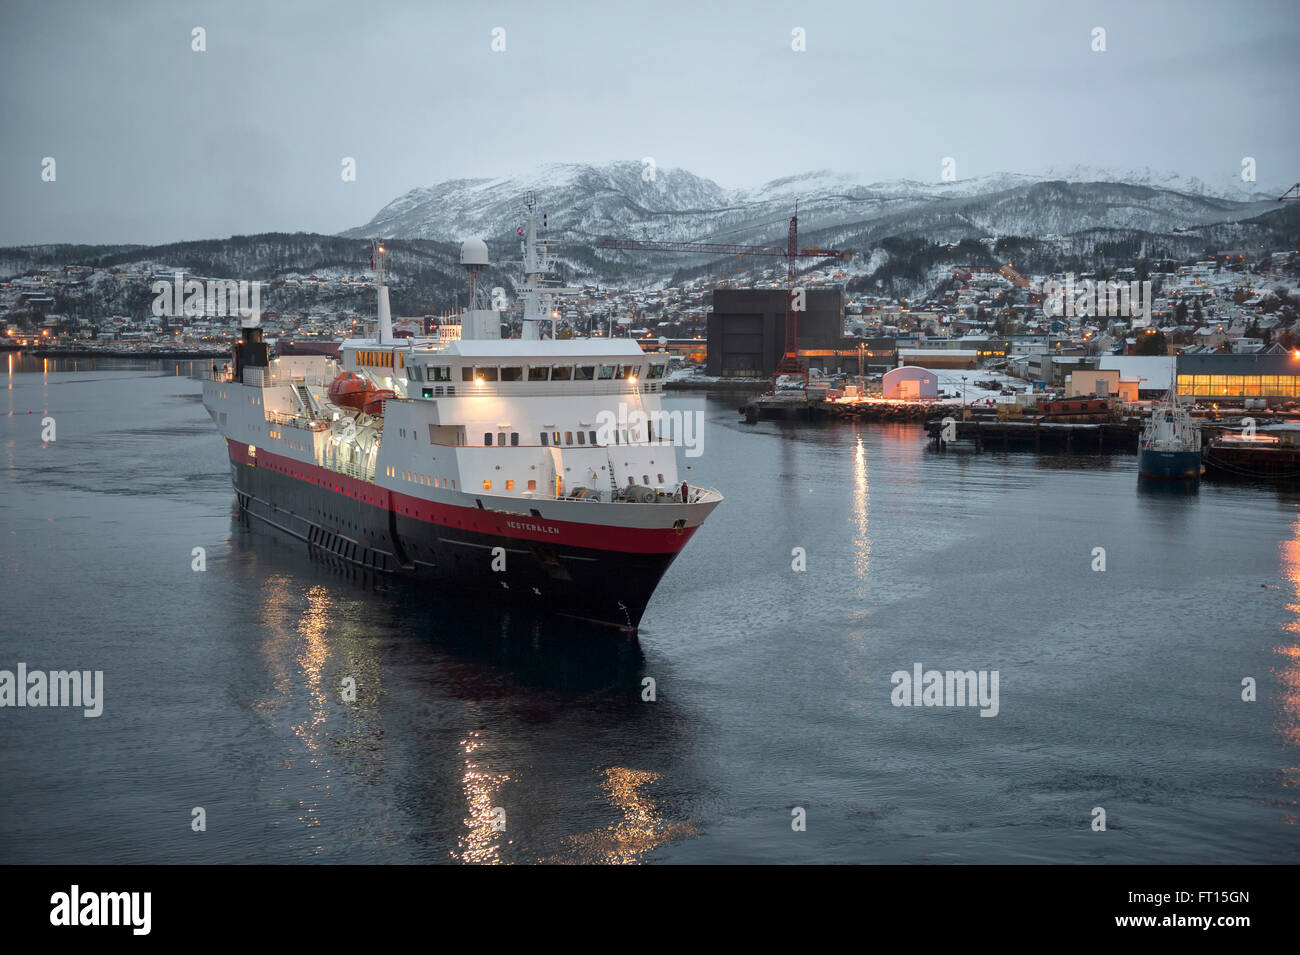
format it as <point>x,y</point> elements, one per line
<point>790,359</point>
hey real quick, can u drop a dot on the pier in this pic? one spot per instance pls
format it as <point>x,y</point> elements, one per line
<point>984,434</point>
<point>796,406</point>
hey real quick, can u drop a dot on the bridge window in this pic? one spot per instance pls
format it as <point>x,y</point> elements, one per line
<point>584,373</point>
<point>606,372</point>
<point>568,437</point>
<point>592,436</point>
<point>546,439</point>
<point>656,371</point>
<point>439,373</point>
<point>487,438</point>
<point>539,373</point>
<point>561,373</point>
<point>582,438</point>
<point>514,439</point>
<point>512,373</point>
<point>555,438</point>
<point>501,439</point>
<point>620,372</point>
<point>415,373</point>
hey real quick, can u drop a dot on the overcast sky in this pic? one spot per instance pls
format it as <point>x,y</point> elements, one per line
<point>154,142</point>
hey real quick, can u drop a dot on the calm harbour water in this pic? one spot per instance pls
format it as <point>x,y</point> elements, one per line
<point>1118,689</point>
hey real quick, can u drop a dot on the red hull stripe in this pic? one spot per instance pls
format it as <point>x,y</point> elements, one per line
<point>631,540</point>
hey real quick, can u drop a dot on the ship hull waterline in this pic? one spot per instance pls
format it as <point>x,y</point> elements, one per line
<point>1169,465</point>
<point>609,588</point>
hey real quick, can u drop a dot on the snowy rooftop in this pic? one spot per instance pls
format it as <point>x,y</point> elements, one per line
<point>1156,369</point>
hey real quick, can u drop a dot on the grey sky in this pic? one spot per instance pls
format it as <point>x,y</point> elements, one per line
<point>156,143</point>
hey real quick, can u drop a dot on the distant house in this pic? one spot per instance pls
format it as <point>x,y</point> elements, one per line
<point>1210,335</point>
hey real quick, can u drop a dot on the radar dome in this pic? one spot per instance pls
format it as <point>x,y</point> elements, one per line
<point>474,252</point>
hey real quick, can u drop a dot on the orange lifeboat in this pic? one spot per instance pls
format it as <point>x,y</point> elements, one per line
<point>375,401</point>
<point>350,390</point>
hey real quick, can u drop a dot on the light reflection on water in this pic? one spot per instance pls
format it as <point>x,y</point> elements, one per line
<point>641,830</point>
<point>1288,721</point>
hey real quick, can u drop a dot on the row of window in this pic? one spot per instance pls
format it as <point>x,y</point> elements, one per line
<point>553,438</point>
<point>434,481</point>
<point>510,485</point>
<point>532,485</point>
<point>442,373</point>
<point>379,359</point>
<point>426,479</point>
<point>1268,386</point>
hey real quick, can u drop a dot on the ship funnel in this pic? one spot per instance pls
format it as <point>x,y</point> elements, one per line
<point>385,317</point>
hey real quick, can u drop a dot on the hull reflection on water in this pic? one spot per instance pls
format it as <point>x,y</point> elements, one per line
<point>540,648</point>
<point>485,720</point>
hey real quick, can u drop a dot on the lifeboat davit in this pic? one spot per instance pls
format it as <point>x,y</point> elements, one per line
<point>350,390</point>
<point>374,405</point>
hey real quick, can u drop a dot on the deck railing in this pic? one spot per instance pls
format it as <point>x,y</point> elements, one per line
<point>200,371</point>
<point>296,421</point>
<point>530,389</point>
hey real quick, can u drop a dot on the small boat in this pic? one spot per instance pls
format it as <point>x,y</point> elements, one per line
<point>1170,446</point>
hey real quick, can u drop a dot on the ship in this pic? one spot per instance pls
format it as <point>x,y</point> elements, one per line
<point>1169,447</point>
<point>1271,453</point>
<point>534,470</point>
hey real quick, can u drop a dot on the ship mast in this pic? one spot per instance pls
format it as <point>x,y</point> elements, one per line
<point>538,263</point>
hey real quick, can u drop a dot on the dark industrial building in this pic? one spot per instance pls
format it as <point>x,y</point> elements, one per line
<point>1273,377</point>
<point>747,334</point>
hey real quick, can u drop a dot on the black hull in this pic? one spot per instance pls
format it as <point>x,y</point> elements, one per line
<point>1169,465</point>
<point>610,588</point>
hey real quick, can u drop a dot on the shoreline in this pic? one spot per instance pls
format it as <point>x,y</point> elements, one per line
<point>178,353</point>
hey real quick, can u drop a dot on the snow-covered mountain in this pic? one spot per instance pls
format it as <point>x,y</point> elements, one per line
<point>585,202</point>
<point>1227,186</point>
